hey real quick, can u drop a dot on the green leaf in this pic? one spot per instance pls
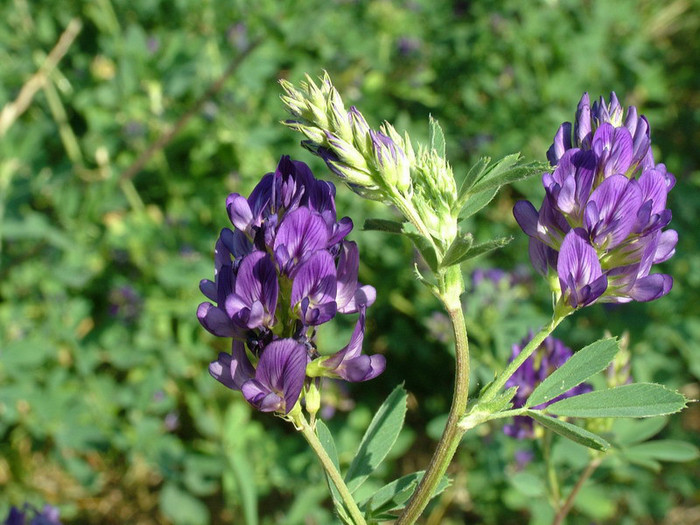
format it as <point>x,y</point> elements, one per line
<point>379,438</point>
<point>477,201</point>
<point>425,248</point>
<point>486,247</point>
<point>394,495</point>
<point>383,225</point>
<point>458,250</point>
<point>243,472</point>
<point>182,508</point>
<point>569,431</point>
<point>506,171</point>
<point>631,431</point>
<point>582,365</point>
<point>664,450</point>
<point>474,174</point>
<point>636,400</point>
<point>437,137</point>
<point>326,439</point>
<point>328,444</point>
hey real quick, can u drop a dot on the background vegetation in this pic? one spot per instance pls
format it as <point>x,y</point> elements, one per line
<point>112,191</point>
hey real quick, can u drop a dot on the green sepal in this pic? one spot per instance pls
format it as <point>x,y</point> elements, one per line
<point>437,137</point>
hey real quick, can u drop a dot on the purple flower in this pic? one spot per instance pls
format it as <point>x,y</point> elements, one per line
<point>549,356</point>
<point>605,204</point>
<point>284,270</point>
<point>279,377</point>
<point>349,363</point>
<point>49,515</point>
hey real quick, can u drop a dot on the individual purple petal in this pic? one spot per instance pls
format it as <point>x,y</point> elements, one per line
<point>279,377</point>
<point>255,299</point>
<point>542,256</point>
<point>580,274</point>
<point>651,287</point>
<point>562,142</point>
<point>611,212</point>
<point>301,233</point>
<point>349,363</point>
<point>239,212</point>
<point>208,288</point>
<point>652,214</point>
<point>234,369</point>
<point>348,265</point>
<point>613,147</point>
<point>570,184</point>
<point>314,289</point>
<point>526,216</point>
<point>582,124</point>
<point>215,320</point>
<point>666,246</point>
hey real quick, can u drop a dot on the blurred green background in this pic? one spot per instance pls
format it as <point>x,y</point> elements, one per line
<point>106,406</point>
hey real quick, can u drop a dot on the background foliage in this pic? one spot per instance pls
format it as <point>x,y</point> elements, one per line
<point>106,408</point>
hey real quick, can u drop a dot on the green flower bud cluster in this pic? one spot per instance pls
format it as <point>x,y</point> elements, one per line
<point>374,164</point>
<point>377,164</point>
<point>436,195</point>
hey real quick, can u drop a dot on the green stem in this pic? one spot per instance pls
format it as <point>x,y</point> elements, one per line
<point>564,510</point>
<point>451,436</point>
<point>529,349</point>
<point>330,469</point>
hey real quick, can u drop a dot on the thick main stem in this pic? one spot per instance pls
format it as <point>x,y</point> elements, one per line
<point>331,470</point>
<point>451,436</point>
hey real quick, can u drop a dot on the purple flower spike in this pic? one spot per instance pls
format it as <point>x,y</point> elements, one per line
<point>580,274</point>
<point>349,363</point>
<point>279,377</point>
<point>606,187</point>
<point>284,270</point>
<point>549,356</point>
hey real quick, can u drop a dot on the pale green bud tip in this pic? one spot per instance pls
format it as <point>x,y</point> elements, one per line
<point>313,399</point>
<point>391,161</point>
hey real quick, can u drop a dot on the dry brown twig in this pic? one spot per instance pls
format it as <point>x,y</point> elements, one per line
<point>12,110</point>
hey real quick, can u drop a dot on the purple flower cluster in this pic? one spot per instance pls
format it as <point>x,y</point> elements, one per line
<point>549,356</point>
<point>284,270</point>
<point>600,224</point>
<point>49,515</point>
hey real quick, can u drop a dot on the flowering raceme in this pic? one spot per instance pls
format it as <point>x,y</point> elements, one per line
<point>549,356</point>
<point>284,270</point>
<point>600,226</point>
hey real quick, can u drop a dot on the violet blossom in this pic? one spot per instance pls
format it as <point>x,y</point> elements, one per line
<point>600,226</point>
<point>285,269</point>
<point>549,356</point>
